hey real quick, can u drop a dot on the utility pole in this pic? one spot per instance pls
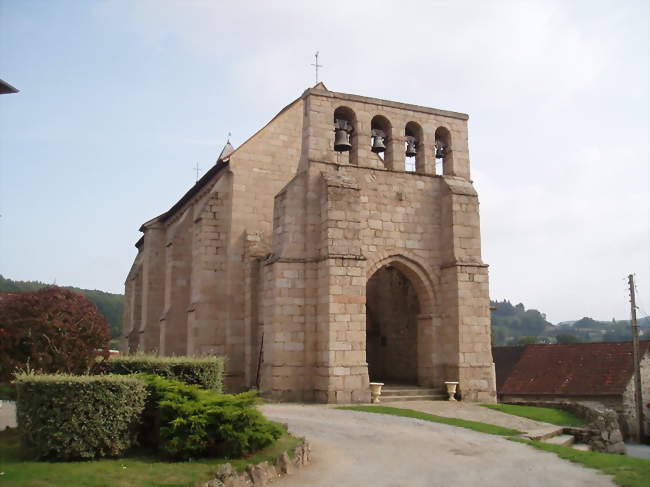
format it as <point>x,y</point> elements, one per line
<point>635,356</point>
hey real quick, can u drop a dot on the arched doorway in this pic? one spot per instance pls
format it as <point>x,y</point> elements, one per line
<point>392,309</point>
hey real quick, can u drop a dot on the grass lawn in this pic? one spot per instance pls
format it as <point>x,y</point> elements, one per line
<point>133,471</point>
<point>546,415</point>
<point>462,423</point>
<point>627,471</point>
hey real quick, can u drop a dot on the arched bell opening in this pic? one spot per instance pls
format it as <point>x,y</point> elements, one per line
<point>345,135</point>
<point>380,135</point>
<point>443,150</point>
<point>413,143</point>
<point>392,311</point>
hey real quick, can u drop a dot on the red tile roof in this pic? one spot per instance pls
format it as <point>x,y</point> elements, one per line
<point>505,359</point>
<point>581,369</point>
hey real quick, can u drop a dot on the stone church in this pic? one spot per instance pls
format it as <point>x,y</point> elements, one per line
<point>338,245</point>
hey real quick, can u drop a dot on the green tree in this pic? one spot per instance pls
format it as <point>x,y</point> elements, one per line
<point>526,340</point>
<point>567,338</point>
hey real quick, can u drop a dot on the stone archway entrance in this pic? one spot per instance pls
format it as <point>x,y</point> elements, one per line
<point>392,310</point>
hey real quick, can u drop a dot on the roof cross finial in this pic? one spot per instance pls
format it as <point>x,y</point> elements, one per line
<point>197,169</point>
<point>316,65</point>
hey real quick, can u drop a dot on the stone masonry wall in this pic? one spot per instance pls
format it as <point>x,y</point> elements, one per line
<point>173,322</point>
<point>129,319</point>
<point>207,313</point>
<point>371,216</point>
<point>287,281</point>
<point>628,406</point>
<point>260,169</point>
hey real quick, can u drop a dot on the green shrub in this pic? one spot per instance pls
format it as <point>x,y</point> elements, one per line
<point>65,417</point>
<point>192,422</point>
<point>206,372</point>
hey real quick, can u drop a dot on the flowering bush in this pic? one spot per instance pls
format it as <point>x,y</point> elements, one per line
<point>50,330</point>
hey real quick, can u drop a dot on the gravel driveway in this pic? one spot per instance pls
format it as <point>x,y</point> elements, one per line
<point>358,449</point>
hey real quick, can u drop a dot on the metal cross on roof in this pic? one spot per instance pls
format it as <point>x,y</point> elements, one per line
<point>316,65</point>
<point>197,169</point>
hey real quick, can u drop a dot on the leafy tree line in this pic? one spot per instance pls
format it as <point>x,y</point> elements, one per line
<point>516,325</point>
<point>511,324</point>
<point>110,305</point>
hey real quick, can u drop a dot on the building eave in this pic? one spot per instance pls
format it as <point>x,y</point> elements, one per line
<point>205,179</point>
<point>6,88</point>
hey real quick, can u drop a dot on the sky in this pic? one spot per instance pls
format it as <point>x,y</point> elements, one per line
<point>120,100</point>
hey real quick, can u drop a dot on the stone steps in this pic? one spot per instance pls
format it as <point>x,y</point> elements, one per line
<point>429,397</point>
<point>562,440</point>
<point>408,392</point>
<point>544,434</point>
<point>557,436</point>
<point>396,393</point>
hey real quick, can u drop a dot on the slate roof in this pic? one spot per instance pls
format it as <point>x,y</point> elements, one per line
<point>581,369</point>
<point>226,151</point>
<point>6,88</point>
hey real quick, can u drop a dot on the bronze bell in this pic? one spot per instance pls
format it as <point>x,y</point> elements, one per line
<point>441,150</point>
<point>342,129</point>
<point>378,137</point>
<point>411,149</point>
<point>342,141</point>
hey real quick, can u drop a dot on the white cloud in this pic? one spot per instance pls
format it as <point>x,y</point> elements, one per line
<point>498,49</point>
<point>566,240</point>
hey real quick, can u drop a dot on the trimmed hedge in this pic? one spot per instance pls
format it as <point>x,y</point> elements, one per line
<point>206,372</point>
<point>65,417</point>
<point>190,422</point>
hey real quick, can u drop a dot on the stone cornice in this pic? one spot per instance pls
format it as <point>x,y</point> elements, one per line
<point>458,263</point>
<point>304,260</point>
<point>385,103</point>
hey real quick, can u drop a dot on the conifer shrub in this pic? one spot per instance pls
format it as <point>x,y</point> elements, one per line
<point>205,371</point>
<point>190,422</point>
<point>51,330</point>
<point>65,417</point>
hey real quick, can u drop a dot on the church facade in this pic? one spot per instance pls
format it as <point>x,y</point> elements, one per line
<point>339,245</point>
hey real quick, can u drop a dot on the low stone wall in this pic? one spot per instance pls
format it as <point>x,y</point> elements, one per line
<point>261,474</point>
<point>602,432</point>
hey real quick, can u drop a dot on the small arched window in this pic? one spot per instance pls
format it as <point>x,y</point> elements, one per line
<point>380,137</point>
<point>413,152</point>
<point>345,137</point>
<point>443,150</point>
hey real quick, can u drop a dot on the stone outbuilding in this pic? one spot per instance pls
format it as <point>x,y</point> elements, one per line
<point>600,373</point>
<point>339,245</point>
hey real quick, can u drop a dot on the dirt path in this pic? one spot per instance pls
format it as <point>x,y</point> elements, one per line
<point>357,449</point>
